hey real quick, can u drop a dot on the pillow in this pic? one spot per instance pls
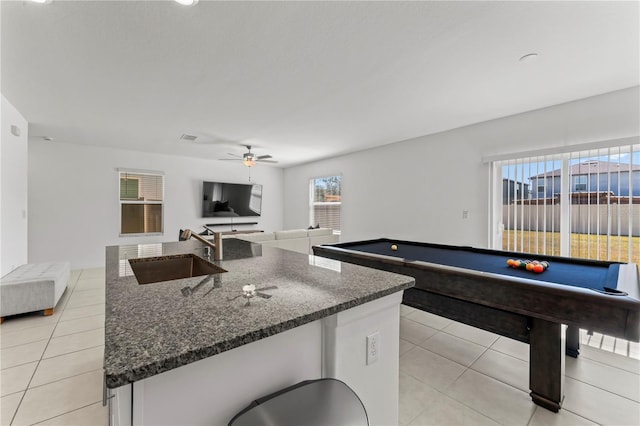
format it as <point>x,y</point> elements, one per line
<point>221,206</point>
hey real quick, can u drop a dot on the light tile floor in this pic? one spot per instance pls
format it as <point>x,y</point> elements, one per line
<point>51,367</point>
<point>453,374</point>
<point>450,373</point>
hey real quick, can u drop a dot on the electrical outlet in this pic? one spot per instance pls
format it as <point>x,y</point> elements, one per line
<point>373,347</point>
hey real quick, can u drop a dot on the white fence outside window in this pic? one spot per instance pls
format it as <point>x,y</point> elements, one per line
<point>584,203</point>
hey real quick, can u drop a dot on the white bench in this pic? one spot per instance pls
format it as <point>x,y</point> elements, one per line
<point>33,287</point>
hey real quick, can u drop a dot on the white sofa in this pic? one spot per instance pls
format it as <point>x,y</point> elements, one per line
<point>299,240</point>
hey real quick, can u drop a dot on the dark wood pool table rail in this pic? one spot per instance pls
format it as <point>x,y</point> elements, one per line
<point>529,310</point>
<point>614,315</point>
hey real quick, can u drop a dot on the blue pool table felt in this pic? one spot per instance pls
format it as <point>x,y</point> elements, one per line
<point>594,277</point>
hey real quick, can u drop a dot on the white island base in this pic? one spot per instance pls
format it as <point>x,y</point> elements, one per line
<point>211,391</point>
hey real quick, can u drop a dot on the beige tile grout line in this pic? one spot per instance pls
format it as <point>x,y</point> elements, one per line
<point>488,348</point>
<point>466,368</point>
<point>77,409</point>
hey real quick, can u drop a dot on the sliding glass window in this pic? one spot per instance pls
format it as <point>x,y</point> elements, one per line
<point>583,204</point>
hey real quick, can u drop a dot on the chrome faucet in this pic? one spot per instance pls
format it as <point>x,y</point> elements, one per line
<point>216,245</point>
<point>217,249</point>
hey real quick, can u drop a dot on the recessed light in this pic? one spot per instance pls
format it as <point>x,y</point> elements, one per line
<point>529,57</point>
<point>42,1</point>
<point>187,2</point>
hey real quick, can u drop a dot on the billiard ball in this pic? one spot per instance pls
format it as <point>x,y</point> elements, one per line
<point>394,247</point>
<point>538,268</point>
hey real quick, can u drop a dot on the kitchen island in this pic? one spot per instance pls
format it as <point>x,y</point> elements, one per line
<point>196,350</point>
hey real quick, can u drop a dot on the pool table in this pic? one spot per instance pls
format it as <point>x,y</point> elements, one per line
<point>477,287</point>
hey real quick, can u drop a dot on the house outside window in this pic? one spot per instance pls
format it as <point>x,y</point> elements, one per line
<point>326,202</point>
<point>141,202</point>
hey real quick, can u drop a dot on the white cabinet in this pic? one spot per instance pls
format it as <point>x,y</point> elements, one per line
<point>211,391</point>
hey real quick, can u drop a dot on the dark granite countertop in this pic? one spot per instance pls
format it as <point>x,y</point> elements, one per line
<point>156,327</point>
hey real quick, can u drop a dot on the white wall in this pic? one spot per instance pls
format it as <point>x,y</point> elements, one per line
<point>415,189</point>
<point>418,189</point>
<point>13,189</point>
<point>73,198</point>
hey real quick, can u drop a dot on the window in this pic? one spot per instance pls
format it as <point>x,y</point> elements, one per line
<point>141,202</point>
<point>255,201</point>
<point>588,207</point>
<point>326,202</point>
<point>541,187</point>
<point>580,183</point>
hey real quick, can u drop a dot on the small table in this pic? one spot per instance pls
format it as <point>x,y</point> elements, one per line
<point>247,231</point>
<point>476,287</point>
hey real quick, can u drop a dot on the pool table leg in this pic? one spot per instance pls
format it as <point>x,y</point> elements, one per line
<point>546,366</point>
<point>573,341</point>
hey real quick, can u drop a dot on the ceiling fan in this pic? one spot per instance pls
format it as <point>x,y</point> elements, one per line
<point>250,159</point>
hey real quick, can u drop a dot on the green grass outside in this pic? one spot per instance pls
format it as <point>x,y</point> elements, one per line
<point>596,247</point>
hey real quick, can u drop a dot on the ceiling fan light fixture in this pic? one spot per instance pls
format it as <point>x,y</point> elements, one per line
<point>249,160</point>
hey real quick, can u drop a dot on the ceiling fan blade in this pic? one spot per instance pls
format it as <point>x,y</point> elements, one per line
<point>234,155</point>
<point>266,161</point>
<point>263,157</point>
<point>230,159</point>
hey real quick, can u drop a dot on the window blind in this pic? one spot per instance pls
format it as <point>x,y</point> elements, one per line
<point>579,204</point>
<point>141,202</point>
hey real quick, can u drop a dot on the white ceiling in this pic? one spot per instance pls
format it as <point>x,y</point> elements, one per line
<point>301,80</point>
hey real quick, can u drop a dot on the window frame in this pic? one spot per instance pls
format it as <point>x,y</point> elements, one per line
<point>121,202</point>
<point>541,185</point>
<point>566,154</point>
<point>313,203</point>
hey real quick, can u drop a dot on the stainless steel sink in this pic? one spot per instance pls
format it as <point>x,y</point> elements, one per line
<point>149,270</point>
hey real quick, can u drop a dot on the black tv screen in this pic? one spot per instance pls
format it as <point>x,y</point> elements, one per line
<point>221,199</point>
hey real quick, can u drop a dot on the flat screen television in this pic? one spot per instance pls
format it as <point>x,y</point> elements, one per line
<point>222,199</point>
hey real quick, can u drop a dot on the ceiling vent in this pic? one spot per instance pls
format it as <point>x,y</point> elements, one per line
<point>188,138</point>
